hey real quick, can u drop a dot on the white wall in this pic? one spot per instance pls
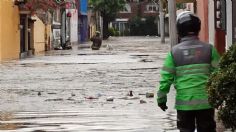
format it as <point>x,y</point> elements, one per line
<point>229,35</point>
<point>74,25</point>
<point>211,23</point>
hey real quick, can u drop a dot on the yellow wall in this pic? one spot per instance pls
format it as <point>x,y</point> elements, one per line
<point>92,30</point>
<point>9,32</point>
<point>39,36</point>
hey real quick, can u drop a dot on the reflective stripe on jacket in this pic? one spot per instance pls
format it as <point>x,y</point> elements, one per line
<point>188,67</point>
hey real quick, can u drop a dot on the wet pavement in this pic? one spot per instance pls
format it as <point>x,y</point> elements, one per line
<point>83,90</point>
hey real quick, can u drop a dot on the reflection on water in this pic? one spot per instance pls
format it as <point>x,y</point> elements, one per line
<point>170,121</point>
<point>47,93</point>
<point>5,117</point>
<point>83,120</point>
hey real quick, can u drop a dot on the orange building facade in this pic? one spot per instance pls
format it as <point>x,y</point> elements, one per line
<point>202,12</point>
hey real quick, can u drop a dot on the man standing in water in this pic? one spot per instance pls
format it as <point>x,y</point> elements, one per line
<point>188,67</point>
<point>97,41</point>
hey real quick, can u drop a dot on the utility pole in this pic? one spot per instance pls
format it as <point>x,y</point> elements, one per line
<point>172,22</point>
<point>162,21</point>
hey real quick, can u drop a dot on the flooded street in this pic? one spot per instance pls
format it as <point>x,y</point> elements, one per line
<point>83,90</point>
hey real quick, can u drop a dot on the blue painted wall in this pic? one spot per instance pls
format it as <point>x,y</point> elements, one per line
<point>83,21</point>
<point>84,7</point>
<point>83,28</point>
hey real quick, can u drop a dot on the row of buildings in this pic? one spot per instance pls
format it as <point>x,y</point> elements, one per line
<point>23,34</point>
<point>136,8</point>
<point>218,18</point>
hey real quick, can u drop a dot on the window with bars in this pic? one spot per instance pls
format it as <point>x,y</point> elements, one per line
<point>151,8</point>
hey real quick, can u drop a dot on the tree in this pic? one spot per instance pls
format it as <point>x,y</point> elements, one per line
<point>136,26</point>
<point>41,7</point>
<point>108,10</point>
<point>139,27</point>
<point>222,89</point>
<point>45,5</point>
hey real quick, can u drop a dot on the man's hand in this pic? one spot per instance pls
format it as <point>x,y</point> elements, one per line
<point>163,106</point>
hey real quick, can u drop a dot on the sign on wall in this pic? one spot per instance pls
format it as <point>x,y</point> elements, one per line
<point>220,14</point>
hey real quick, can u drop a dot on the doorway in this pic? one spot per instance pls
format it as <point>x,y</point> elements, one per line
<point>22,34</point>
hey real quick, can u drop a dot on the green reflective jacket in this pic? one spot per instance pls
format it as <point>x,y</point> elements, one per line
<point>189,82</point>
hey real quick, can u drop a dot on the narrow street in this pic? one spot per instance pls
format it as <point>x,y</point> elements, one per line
<point>82,90</point>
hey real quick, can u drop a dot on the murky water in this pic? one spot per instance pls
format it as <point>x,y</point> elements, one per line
<point>84,120</point>
<point>67,90</point>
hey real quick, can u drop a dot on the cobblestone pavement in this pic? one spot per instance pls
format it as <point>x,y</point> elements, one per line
<point>68,90</point>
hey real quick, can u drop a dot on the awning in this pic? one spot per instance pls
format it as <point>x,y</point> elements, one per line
<point>185,1</point>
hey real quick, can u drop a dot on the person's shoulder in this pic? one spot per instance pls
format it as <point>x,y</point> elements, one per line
<point>202,42</point>
<point>206,44</point>
<point>177,45</point>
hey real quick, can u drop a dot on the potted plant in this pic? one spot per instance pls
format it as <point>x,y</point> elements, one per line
<point>222,89</point>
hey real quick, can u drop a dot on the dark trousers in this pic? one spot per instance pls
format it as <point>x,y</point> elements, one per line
<point>202,119</point>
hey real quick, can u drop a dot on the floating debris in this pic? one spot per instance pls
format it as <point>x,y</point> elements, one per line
<point>58,99</point>
<point>149,95</point>
<point>91,97</point>
<point>143,101</point>
<point>141,94</point>
<point>38,131</point>
<point>39,94</point>
<point>110,99</point>
<point>145,60</point>
<point>52,93</point>
<point>70,99</point>
<point>72,94</point>
<point>130,93</point>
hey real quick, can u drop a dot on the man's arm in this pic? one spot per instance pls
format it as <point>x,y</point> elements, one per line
<point>215,57</point>
<point>167,78</point>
